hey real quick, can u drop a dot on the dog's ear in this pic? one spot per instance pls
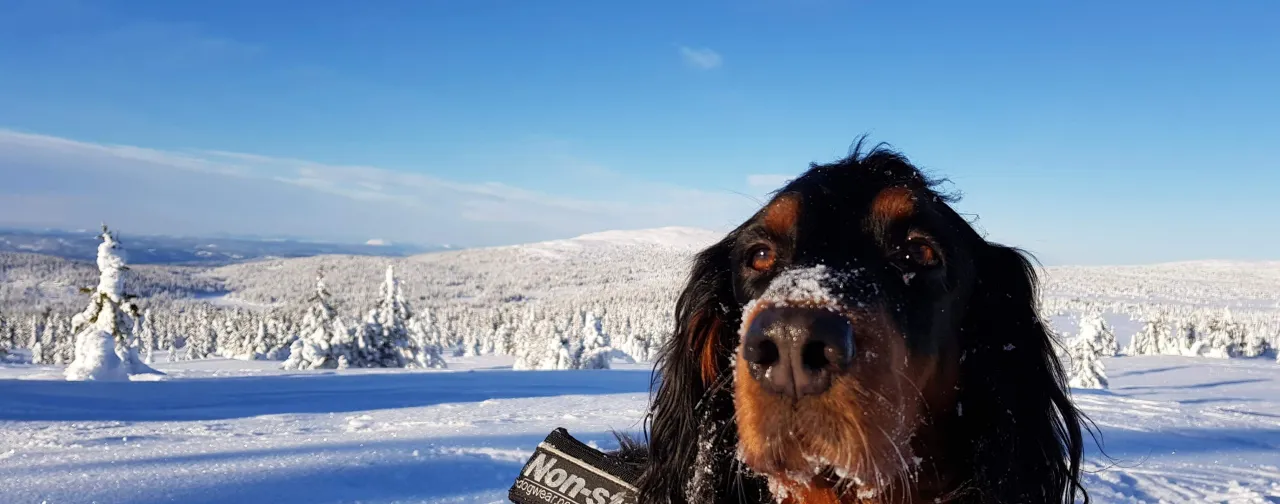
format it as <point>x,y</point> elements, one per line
<point>1014,400</point>
<point>691,434</point>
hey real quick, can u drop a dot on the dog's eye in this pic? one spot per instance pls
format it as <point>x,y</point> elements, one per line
<point>919,252</point>
<point>762,258</point>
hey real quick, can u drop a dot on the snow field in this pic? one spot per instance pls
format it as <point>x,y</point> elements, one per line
<point>1177,430</point>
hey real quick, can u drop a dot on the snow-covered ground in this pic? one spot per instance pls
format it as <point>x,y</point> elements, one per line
<point>1177,430</point>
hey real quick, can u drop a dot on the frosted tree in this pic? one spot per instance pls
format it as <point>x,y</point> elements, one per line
<point>503,338</point>
<point>323,341</point>
<point>470,345</point>
<point>35,335</point>
<point>1147,340</point>
<point>146,332</point>
<point>1093,327</point>
<point>1183,339</point>
<point>528,353</point>
<point>426,344</point>
<point>596,348</point>
<point>386,338</point>
<point>558,354</point>
<point>261,344</point>
<point>8,339</point>
<point>1087,370</point>
<point>202,341</point>
<point>64,350</point>
<point>105,344</point>
<point>1256,342</point>
<point>50,340</point>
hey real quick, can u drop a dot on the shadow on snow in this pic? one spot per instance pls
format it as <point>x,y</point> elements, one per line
<point>243,397</point>
<point>393,473</point>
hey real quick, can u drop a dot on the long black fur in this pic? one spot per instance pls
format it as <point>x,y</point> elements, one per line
<point>1017,435</point>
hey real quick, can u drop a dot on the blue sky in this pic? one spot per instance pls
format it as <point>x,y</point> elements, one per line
<point>1094,132</point>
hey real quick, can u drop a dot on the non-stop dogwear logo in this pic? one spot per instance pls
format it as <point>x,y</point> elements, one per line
<point>548,478</point>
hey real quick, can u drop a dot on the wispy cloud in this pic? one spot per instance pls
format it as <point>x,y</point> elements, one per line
<point>767,181</point>
<point>60,182</point>
<point>701,58</point>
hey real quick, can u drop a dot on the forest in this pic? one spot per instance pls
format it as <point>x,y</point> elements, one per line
<point>566,304</point>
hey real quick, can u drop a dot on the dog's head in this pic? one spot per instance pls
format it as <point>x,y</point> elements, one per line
<point>853,283</point>
<point>872,343</point>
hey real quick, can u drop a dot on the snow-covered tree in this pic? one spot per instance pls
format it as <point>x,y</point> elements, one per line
<point>34,330</point>
<point>8,340</point>
<point>1256,342</point>
<point>105,344</point>
<point>147,335</point>
<point>426,343</point>
<point>6,343</point>
<point>528,353</point>
<point>323,341</point>
<point>1087,369</point>
<point>385,337</point>
<point>560,353</point>
<point>1147,340</point>
<point>1096,329</point>
<point>64,349</point>
<point>261,343</point>
<point>202,338</point>
<point>596,348</point>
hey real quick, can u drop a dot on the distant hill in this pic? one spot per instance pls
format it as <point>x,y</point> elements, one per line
<point>191,251</point>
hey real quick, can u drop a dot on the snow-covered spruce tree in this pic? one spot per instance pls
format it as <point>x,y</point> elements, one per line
<point>1256,341</point>
<point>64,350</point>
<point>323,340</point>
<point>385,339</point>
<point>1182,339</point>
<point>428,353</point>
<point>34,330</point>
<point>528,353</point>
<point>596,348</point>
<point>7,340</point>
<point>1147,340</point>
<point>261,344</point>
<point>202,340</point>
<point>503,340</point>
<point>1087,370</point>
<point>105,345</point>
<point>6,343</point>
<point>49,341</point>
<point>148,335</point>
<point>1096,329</point>
<point>558,354</point>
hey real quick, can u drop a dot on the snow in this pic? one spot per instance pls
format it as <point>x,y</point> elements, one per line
<point>798,287</point>
<point>670,239</point>
<point>1179,429</point>
<point>229,300</point>
<point>96,358</point>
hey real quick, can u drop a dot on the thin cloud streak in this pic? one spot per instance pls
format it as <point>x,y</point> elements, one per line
<point>213,191</point>
<point>701,58</point>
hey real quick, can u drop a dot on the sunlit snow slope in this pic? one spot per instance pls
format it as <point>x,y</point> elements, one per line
<point>1179,430</point>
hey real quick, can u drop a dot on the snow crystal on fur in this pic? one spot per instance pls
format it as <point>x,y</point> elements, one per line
<point>812,287</point>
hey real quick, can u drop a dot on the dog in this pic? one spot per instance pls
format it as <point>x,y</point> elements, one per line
<point>857,340</point>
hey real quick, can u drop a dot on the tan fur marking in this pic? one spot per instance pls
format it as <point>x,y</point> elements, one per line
<point>812,495</point>
<point>706,336</point>
<point>780,217</point>
<point>893,204</point>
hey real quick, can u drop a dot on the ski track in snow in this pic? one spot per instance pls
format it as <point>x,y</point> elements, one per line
<point>1176,429</point>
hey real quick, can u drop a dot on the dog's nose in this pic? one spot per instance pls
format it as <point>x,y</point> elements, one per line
<point>795,351</point>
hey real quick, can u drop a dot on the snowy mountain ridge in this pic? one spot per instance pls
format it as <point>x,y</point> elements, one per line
<point>667,239</point>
